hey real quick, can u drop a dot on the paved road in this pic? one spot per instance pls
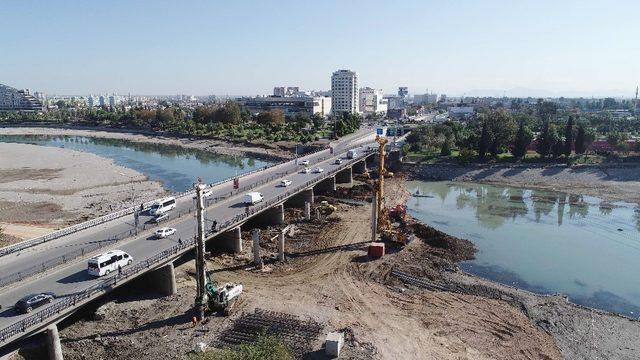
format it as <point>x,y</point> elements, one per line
<point>72,277</point>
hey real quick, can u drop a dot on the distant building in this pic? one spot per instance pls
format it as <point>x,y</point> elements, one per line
<point>13,99</point>
<point>403,91</point>
<point>281,91</point>
<point>101,101</point>
<point>396,113</point>
<point>90,101</point>
<point>396,102</point>
<point>344,92</point>
<point>461,112</point>
<point>112,102</point>
<point>372,101</point>
<point>290,105</point>
<point>425,99</point>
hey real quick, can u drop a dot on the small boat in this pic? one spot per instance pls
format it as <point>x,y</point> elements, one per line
<point>419,194</point>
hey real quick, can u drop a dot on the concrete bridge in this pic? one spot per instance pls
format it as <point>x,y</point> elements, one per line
<point>74,288</point>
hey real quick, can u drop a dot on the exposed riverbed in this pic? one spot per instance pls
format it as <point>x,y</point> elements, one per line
<point>543,241</point>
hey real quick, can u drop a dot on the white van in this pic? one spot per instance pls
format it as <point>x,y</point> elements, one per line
<point>105,263</point>
<point>162,206</point>
<point>252,198</point>
<point>351,154</point>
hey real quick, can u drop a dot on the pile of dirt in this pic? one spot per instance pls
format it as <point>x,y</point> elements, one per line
<point>446,246</point>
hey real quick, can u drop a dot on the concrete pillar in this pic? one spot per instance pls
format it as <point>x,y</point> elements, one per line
<point>345,176</point>
<point>281,246</point>
<point>300,199</point>
<point>232,239</point>
<point>360,167</point>
<point>53,343</point>
<point>307,211</point>
<point>326,185</point>
<point>255,236</point>
<point>276,214</point>
<point>167,279</point>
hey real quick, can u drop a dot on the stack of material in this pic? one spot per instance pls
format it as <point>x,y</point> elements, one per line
<point>376,250</point>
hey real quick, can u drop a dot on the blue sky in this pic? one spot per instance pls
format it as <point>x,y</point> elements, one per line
<point>247,47</point>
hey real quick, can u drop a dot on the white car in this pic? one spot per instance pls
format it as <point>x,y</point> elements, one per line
<point>285,183</point>
<point>205,193</point>
<point>318,170</point>
<point>304,162</point>
<point>164,232</point>
<point>338,161</point>
<point>306,170</point>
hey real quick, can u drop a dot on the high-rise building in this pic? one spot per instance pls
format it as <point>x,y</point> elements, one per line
<point>372,101</point>
<point>14,99</point>
<point>403,91</point>
<point>112,102</point>
<point>101,100</point>
<point>344,92</point>
<point>90,101</point>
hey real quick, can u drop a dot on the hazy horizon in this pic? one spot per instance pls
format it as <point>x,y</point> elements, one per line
<point>492,48</point>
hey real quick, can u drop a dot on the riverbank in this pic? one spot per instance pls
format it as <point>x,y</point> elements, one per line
<point>262,151</point>
<point>45,188</point>
<point>610,182</point>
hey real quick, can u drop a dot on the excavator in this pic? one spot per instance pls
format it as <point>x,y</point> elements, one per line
<point>388,216</point>
<point>221,299</point>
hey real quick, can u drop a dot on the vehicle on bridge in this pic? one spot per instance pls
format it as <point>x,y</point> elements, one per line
<point>159,218</point>
<point>30,302</point>
<point>318,170</point>
<point>162,206</point>
<point>306,170</point>
<point>351,154</point>
<point>304,162</point>
<point>285,182</point>
<point>338,161</point>
<point>252,198</point>
<point>165,232</point>
<point>104,264</point>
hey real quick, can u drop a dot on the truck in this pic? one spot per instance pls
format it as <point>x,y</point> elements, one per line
<point>351,154</point>
<point>252,198</point>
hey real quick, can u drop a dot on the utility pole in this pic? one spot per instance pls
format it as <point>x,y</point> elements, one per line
<point>200,264</point>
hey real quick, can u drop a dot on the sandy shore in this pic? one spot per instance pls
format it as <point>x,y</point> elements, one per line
<point>49,187</point>
<point>215,146</point>
<point>612,182</point>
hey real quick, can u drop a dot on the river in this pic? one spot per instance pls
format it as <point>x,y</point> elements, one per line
<point>542,241</point>
<point>175,167</point>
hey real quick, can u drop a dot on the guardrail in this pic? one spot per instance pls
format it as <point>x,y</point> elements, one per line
<point>129,272</point>
<point>62,259</point>
<point>109,217</point>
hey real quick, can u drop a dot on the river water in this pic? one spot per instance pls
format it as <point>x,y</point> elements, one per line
<point>175,167</point>
<point>542,241</point>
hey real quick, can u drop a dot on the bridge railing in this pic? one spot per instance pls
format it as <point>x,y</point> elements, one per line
<point>129,272</point>
<point>109,217</point>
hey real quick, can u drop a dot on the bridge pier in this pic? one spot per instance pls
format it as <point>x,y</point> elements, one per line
<point>307,211</point>
<point>300,199</point>
<point>326,185</point>
<point>53,343</point>
<point>345,176</point>
<point>275,215</point>
<point>360,167</point>
<point>164,279</point>
<point>232,239</point>
<point>255,236</point>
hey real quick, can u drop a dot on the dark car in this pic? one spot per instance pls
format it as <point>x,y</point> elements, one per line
<point>30,302</point>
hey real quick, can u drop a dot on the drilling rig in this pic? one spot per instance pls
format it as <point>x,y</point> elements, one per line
<point>385,224</point>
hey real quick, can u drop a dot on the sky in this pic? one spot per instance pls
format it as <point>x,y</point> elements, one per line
<point>472,47</point>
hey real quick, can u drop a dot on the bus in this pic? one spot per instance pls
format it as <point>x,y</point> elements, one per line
<point>162,206</point>
<point>110,261</point>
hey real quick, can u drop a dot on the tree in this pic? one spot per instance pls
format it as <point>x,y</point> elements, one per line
<point>522,141</point>
<point>568,137</point>
<point>544,143</point>
<point>580,140</point>
<point>483,145</point>
<point>275,116</point>
<point>229,113</point>
<point>445,149</point>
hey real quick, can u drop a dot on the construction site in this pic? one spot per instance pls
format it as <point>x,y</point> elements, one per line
<point>350,276</point>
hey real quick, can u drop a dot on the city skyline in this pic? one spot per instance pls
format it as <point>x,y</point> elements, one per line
<point>496,48</point>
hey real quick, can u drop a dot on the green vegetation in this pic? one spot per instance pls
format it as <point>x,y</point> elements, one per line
<point>497,134</point>
<point>266,348</point>
<point>228,121</point>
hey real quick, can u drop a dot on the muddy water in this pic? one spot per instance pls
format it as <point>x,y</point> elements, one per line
<point>177,168</point>
<point>542,241</point>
